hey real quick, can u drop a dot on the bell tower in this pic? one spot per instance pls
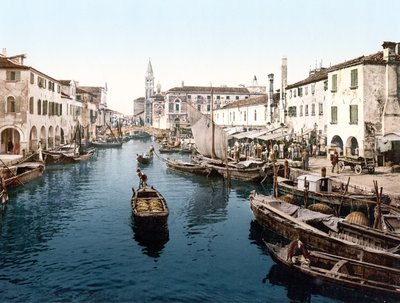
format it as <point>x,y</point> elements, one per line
<point>149,81</point>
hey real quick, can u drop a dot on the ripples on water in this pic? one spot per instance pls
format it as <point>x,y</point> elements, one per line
<point>69,237</point>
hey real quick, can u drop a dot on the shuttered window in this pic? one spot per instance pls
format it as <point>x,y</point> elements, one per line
<point>334,118</point>
<point>354,78</point>
<point>31,105</point>
<point>39,107</point>
<point>334,83</point>
<point>13,75</point>
<point>353,114</point>
<point>10,105</point>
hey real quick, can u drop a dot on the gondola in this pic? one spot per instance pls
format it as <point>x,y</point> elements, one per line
<point>144,158</point>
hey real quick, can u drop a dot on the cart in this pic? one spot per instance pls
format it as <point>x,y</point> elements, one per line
<point>357,164</point>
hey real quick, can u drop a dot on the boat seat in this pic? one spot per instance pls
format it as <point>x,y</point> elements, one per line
<point>338,265</point>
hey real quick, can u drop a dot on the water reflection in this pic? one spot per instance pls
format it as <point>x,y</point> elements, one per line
<point>208,203</point>
<point>152,241</point>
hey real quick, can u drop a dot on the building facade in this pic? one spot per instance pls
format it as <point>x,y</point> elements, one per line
<point>354,105</point>
<point>36,109</point>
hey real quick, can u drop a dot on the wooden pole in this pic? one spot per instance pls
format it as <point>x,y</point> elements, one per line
<point>341,198</point>
<point>275,187</point>
<point>305,193</point>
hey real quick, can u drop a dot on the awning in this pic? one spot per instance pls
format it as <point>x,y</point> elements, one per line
<point>250,134</point>
<point>273,136</point>
<point>392,136</point>
<point>233,130</point>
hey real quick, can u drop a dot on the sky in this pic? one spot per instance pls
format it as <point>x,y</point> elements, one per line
<point>199,42</point>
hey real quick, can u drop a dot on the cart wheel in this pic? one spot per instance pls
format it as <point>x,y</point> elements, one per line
<point>341,166</point>
<point>371,170</point>
<point>358,169</point>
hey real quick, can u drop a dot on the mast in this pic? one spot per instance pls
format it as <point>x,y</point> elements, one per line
<point>212,125</point>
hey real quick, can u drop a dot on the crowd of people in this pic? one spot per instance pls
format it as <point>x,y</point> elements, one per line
<point>270,151</point>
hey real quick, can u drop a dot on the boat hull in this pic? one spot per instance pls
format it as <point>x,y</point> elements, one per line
<point>336,270</point>
<point>149,209</point>
<point>291,228</point>
<point>187,167</point>
<point>23,173</point>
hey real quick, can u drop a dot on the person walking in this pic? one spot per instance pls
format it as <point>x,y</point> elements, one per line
<point>305,156</point>
<point>335,161</point>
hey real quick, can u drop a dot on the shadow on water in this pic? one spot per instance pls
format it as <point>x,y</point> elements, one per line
<point>152,241</point>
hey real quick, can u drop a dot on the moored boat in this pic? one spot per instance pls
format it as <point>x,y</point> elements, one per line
<point>242,171</point>
<point>187,167</point>
<point>318,189</point>
<point>64,156</point>
<point>22,173</point>
<point>337,270</point>
<point>322,232</point>
<point>149,208</point>
<point>106,144</point>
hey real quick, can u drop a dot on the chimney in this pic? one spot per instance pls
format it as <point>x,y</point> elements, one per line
<point>183,83</point>
<point>4,52</point>
<point>284,77</point>
<point>389,51</point>
<point>271,86</point>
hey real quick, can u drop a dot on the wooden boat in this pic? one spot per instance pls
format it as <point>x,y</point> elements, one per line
<point>85,155</point>
<point>144,158</point>
<point>242,171</point>
<point>149,208</point>
<point>139,135</point>
<point>336,270</point>
<point>20,174</point>
<point>211,142</point>
<point>3,191</point>
<point>106,144</point>
<point>319,189</point>
<point>187,167</point>
<point>323,232</point>
<point>67,155</point>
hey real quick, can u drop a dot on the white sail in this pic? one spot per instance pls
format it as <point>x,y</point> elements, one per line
<point>210,139</point>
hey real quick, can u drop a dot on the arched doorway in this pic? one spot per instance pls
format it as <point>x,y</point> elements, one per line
<point>43,140</point>
<point>337,143</point>
<point>62,136</point>
<point>352,147</point>
<point>33,140</point>
<point>57,136</point>
<point>10,141</point>
<point>50,138</point>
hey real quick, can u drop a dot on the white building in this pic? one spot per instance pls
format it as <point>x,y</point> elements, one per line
<point>354,104</point>
<point>31,107</point>
<point>37,108</point>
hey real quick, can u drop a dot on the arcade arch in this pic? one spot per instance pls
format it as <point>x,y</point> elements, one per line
<point>352,147</point>
<point>337,143</point>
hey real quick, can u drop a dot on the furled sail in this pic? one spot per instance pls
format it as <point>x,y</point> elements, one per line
<point>210,139</point>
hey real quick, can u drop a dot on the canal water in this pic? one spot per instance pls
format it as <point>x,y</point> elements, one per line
<point>68,237</point>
